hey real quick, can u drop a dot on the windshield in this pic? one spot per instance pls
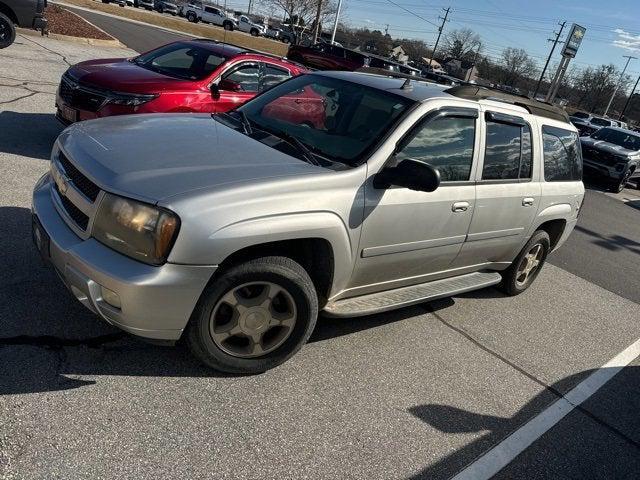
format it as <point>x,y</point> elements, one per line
<point>181,60</point>
<point>601,122</point>
<point>333,118</point>
<point>622,139</point>
<point>580,115</point>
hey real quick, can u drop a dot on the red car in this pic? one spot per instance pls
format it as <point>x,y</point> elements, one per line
<point>186,76</point>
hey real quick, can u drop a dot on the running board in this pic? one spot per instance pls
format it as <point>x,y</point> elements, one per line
<point>405,296</point>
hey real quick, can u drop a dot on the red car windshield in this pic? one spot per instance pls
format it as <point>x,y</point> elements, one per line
<point>334,119</point>
<point>181,60</point>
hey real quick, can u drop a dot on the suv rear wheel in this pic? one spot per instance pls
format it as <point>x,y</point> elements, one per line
<point>228,26</point>
<point>192,17</point>
<point>7,31</point>
<point>527,265</point>
<point>619,186</point>
<point>254,32</point>
<point>254,316</point>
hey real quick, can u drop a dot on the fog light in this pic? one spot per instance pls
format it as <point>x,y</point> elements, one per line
<point>111,297</point>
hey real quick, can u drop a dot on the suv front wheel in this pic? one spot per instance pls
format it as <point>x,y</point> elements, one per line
<point>254,316</point>
<point>527,265</point>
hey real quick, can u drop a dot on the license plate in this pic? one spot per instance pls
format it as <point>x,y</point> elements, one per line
<point>68,113</point>
<point>40,238</point>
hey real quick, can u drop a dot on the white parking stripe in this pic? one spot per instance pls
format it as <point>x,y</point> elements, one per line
<point>492,461</point>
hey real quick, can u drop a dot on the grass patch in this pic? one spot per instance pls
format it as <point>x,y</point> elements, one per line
<point>179,24</point>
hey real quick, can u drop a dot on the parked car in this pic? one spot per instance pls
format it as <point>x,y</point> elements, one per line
<point>23,13</point>
<point>186,76</point>
<point>245,24</point>
<point>613,154</point>
<point>212,15</point>
<point>591,124</point>
<point>234,230</point>
<point>122,3</point>
<point>272,32</point>
<point>165,6</point>
<point>147,4</point>
<point>324,56</point>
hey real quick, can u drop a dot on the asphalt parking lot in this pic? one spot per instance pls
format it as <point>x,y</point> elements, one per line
<point>419,393</point>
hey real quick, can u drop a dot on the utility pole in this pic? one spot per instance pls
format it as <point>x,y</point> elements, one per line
<point>555,43</point>
<point>615,90</point>
<point>444,20</point>
<point>316,33</point>
<point>249,8</point>
<point>386,29</point>
<point>335,24</point>
<point>626,104</point>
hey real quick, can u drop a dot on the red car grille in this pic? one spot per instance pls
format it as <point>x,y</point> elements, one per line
<point>81,97</point>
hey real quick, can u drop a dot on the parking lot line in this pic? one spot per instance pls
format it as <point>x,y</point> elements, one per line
<point>495,459</point>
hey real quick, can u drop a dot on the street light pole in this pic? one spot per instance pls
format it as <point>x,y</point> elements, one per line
<point>615,90</point>
<point>335,24</point>
<point>626,104</point>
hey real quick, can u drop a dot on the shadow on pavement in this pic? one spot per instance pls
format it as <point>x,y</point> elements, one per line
<point>28,134</point>
<point>611,242</point>
<point>600,439</point>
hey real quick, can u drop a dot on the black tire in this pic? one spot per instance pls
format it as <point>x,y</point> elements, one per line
<point>106,1</point>
<point>253,32</point>
<point>192,17</point>
<point>617,187</point>
<point>509,284</point>
<point>7,31</point>
<point>286,40</point>
<point>279,270</point>
<point>228,26</point>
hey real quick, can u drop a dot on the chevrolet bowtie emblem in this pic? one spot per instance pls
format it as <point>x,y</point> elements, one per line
<point>62,181</point>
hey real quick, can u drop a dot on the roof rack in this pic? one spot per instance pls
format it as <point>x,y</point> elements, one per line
<point>534,107</point>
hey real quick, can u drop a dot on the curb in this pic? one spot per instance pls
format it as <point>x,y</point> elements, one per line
<point>96,42</point>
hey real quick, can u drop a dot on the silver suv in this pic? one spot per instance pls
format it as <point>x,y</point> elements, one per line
<point>342,193</point>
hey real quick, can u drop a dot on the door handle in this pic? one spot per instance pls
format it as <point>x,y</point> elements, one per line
<point>527,202</point>
<point>459,207</point>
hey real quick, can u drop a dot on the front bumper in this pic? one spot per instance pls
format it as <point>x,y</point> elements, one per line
<point>156,302</point>
<point>604,170</point>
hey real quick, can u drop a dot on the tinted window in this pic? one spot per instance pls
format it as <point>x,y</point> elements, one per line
<point>562,155</point>
<point>181,60</point>
<point>580,115</point>
<point>601,122</point>
<point>508,152</point>
<point>273,76</point>
<point>246,76</point>
<point>445,143</point>
<point>335,118</point>
<point>623,139</point>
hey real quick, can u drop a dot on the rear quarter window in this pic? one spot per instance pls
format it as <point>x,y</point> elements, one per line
<point>562,155</point>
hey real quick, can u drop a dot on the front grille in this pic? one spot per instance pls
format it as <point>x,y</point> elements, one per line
<point>78,96</point>
<point>74,212</point>
<point>82,183</point>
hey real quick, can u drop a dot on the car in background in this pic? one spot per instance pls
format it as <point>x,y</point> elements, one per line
<point>122,3</point>
<point>166,6</point>
<point>246,25</point>
<point>325,56</point>
<point>613,155</point>
<point>593,124</point>
<point>146,4</point>
<point>198,75</point>
<point>209,14</point>
<point>21,13</point>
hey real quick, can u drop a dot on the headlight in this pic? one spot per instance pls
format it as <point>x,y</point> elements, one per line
<point>131,100</point>
<point>136,229</point>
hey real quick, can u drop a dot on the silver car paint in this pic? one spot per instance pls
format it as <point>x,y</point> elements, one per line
<point>233,192</point>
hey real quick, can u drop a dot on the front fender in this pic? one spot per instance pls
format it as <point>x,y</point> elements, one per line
<point>229,239</point>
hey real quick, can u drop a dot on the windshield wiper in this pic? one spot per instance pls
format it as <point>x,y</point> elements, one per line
<point>307,154</point>
<point>246,123</point>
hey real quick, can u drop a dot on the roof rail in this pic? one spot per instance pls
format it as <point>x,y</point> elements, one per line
<point>534,107</point>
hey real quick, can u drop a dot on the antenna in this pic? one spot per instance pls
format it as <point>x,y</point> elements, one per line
<point>407,85</point>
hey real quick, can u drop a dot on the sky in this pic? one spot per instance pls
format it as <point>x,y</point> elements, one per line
<point>613,26</point>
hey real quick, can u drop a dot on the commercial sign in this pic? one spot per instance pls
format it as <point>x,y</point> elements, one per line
<point>573,41</point>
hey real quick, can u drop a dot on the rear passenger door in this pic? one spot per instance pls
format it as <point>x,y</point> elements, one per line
<point>507,191</point>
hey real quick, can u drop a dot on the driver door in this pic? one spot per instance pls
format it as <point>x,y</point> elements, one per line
<point>236,86</point>
<point>409,236</point>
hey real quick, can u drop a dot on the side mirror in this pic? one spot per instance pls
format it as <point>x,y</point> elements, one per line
<point>409,173</point>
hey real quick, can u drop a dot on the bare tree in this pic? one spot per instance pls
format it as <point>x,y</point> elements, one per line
<point>301,12</point>
<point>516,64</point>
<point>462,44</point>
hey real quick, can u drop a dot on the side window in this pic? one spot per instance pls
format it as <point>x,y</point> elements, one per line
<point>247,76</point>
<point>273,76</point>
<point>507,154</point>
<point>445,143</point>
<point>210,10</point>
<point>562,155</point>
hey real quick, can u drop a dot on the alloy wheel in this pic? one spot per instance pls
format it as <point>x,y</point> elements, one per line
<point>529,264</point>
<point>253,319</point>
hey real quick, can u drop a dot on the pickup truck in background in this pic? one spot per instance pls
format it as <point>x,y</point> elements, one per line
<point>207,14</point>
<point>21,13</point>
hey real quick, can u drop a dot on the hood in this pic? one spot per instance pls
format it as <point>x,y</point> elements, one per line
<point>603,146</point>
<point>121,75</point>
<point>152,157</point>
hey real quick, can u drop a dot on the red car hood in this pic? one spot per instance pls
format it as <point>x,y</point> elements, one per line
<point>121,75</point>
